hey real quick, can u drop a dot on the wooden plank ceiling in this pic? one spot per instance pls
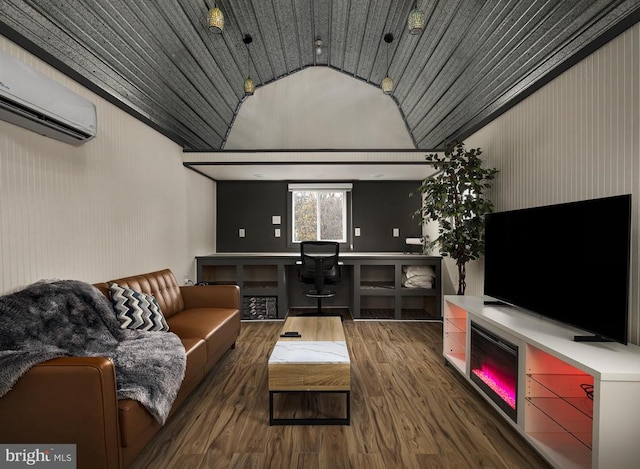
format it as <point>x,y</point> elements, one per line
<point>157,59</point>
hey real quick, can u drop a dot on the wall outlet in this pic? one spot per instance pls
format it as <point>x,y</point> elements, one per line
<point>356,232</point>
<point>276,232</point>
<point>241,233</point>
<point>396,232</point>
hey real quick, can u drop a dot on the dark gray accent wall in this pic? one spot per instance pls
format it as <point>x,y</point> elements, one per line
<point>377,208</point>
<point>250,205</point>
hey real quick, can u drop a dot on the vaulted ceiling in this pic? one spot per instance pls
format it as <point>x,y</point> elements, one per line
<point>158,60</point>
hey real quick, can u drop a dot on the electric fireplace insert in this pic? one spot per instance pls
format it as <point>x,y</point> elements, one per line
<point>494,368</point>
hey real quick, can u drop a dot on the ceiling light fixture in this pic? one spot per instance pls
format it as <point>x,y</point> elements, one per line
<point>318,44</point>
<point>216,20</point>
<point>387,82</point>
<point>416,20</point>
<point>249,87</point>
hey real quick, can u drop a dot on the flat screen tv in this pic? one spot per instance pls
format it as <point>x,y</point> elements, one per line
<point>568,262</point>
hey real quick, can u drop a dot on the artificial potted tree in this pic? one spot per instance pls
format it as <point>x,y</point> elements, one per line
<point>455,198</point>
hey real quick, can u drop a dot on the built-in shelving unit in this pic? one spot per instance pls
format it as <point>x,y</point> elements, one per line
<point>261,281</point>
<point>380,292</point>
<point>372,285</point>
<point>577,401</point>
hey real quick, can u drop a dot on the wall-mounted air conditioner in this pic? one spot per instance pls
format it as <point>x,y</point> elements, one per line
<point>38,103</point>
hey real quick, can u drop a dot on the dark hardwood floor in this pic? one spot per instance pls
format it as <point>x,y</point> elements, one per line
<point>408,410</point>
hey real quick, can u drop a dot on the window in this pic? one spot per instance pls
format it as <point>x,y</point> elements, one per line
<point>319,212</point>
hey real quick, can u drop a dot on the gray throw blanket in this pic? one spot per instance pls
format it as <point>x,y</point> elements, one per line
<point>64,318</point>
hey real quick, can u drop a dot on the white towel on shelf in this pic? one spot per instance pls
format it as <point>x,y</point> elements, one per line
<point>418,276</point>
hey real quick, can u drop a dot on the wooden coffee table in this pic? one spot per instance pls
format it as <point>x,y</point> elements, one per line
<point>317,361</point>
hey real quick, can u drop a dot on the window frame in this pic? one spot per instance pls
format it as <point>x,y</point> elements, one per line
<point>345,188</point>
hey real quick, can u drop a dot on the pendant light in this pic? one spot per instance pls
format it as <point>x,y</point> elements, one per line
<point>387,82</point>
<point>249,87</point>
<point>416,20</point>
<point>215,20</point>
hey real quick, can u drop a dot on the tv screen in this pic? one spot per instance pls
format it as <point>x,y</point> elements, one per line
<point>569,262</point>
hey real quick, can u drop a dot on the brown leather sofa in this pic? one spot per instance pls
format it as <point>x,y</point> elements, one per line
<point>73,399</point>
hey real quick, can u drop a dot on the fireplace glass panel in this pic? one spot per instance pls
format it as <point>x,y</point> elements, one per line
<point>494,368</point>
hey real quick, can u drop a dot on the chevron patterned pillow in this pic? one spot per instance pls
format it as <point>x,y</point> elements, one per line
<point>136,310</point>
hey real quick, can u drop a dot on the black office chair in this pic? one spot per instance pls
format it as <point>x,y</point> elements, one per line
<point>319,267</point>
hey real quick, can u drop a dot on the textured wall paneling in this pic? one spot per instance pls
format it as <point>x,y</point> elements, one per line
<point>576,138</point>
<point>120,204</point>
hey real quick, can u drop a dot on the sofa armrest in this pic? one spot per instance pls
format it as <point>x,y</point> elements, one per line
<point>68,400</point>
<point>211,296</point>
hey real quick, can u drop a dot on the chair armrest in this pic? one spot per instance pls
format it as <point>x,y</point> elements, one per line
<point>68,400</point>
<point>211,296</point>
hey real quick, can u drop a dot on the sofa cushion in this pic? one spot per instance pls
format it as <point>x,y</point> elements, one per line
<point>196,358</point>
<point>219,327</point>
<point>134,420</point>
<point>196,362</point>
<point>136,310</point>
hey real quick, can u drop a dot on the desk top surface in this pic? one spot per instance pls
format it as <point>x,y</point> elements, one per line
<point>345,254</point>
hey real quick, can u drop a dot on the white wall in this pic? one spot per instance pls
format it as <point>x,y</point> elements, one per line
<point>576,138</point>
<point>118,205</point>
<point>318,107</point>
